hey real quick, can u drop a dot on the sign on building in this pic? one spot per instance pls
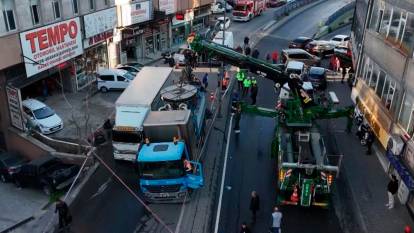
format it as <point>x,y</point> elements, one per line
<point>169,6</point>
<point>15,109</point>
<point>48,46</point>
<point>135,13</point>
<point>99,22</point>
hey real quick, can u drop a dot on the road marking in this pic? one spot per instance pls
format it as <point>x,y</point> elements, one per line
<point>223,177</point>
<point>180,219</point>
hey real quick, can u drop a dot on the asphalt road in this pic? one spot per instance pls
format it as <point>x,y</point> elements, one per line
<point>250,166</point>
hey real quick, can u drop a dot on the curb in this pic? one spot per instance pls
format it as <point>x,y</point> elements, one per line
<point>274,24</point>
<point>24,221</point>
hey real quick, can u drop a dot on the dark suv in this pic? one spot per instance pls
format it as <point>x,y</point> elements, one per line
<point>317,76</point>
<point>9,165</point>
<point>47,172</point>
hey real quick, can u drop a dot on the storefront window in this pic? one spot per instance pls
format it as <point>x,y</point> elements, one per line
<point>178,35</point>
<point>408,41</point>
<point>149,45</point>
<point>368,73</point>
<point>406,111</point>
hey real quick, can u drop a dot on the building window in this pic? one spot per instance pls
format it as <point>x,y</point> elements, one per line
<point>75,7</point>
<point>379,22</point>
<point>91,4</point>
<point>373,81</point>
<point>394,24</point>
<point>385,22</point>
<point>407,40</point>
<point>106,2</point>
<point>381,81</point>
<point>401,27</point>
<point>389,94</point>
<point>8,15</point>
<point>56,9</point>
<point>34,10</point>
<point>406,113</point>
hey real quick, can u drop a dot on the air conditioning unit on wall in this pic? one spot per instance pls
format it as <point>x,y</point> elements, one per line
<point>395,144</point>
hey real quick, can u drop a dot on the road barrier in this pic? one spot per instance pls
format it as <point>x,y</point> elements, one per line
<point>289,7</point>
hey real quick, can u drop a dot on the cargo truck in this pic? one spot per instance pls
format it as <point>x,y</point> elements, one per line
<point>131,108</point>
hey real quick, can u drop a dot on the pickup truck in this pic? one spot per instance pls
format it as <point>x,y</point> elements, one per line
<point>48,173</point>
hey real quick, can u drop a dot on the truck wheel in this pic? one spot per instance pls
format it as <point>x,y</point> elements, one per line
<point>47,189</point>
<point>104,89</point>
<point>3,178</point>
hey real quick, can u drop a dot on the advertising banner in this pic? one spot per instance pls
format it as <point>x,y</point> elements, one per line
<point>135,13</point>
<point>13,97</point>
<point>48,46</point>
<point>100,22</point>
<point>168,6</point>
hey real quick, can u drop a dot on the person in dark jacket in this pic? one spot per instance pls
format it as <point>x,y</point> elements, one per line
<point>255,53</point>
<point>247,51</point>
<point>237,116</point>
<point>205,81</point>
<point>254,205</point>
<point>370,140</point>
<point>253,93</point>
<point>245,228</point>
<point>64,216</point>
<point>392,189</point>
<point>343,74</point>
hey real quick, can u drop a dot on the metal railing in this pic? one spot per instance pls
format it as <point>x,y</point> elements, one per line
<point>289,7</point>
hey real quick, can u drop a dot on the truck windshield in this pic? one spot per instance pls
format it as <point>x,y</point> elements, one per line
<point>162,170</point>
<point>125,136</point>
<point>240,8</point>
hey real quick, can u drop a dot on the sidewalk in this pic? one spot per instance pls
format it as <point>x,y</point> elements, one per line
<point>363,177</point>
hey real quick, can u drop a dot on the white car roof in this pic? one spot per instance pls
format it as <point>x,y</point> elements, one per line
<point>340,36</point>
<point>106,71</point>
<point>222,18</point>
<point>33,104</point>
<point>295,65</point>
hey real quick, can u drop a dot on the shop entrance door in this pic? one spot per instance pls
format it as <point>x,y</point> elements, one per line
<point>158,42</point>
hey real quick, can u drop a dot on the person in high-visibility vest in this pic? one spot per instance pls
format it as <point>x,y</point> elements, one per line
<point>247,83</point>
<point>254,81</point>
<point>240,76</point>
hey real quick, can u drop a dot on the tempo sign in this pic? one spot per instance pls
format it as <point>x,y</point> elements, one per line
<point>46,47</point>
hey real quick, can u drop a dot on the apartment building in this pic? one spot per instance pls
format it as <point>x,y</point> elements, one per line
<point>52,45</point>
<point>383,42</point>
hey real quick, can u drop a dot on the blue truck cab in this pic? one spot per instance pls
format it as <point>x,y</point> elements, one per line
<point>162,174</point>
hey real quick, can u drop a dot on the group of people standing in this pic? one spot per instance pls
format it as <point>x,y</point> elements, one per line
<point>247,84</point>
<point>254,208</point>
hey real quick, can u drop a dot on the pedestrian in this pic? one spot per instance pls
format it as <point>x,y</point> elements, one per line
<point>64,216</point>
<point>275,57</point>
<point>337,64</point>
<point>237,115</point>
<point>247,51</point>
<point>239,49</point>
<point>205,81</point>
<point>255,53</point>
<point>247,82</point>
<point>276,220</point>
<point>253,93</point>
<point>240,76</point>
<point>254,205</point>
<point>245,228</point>
<point>369,137</point>
<point>332,63</point>
<point>392,189</point>
<point>343,74</point>
<point>268,57</point>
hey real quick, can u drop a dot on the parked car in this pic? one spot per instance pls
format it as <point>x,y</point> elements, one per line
<point>295,67</point>
<point>113,79</point>
<point>317,76</point>
<point>300,42</point>
<point>40,117</point>
<point>275,3</point>
<point>47,173</point>
<point>179,56</point>
<point>320,48</point>
<point>133,67</point>
<point>300,55</point>
<point>228,39</point>
<point>224,23</point>
<point>340,40</point>
<point>9,163</point>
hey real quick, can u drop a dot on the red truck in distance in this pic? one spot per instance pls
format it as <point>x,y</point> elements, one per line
<point>245,10</point>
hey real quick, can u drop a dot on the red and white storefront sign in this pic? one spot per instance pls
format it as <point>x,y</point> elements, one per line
<point>135,13</point>
<point>96,39</point>
<point>48,46</point>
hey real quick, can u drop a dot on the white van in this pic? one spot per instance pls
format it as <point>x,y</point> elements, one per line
<point>228,39</point>
<point>295,67</point>
<point>113,79</point>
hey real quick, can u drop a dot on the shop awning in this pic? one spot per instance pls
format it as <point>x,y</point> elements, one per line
<point>401,169</point>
